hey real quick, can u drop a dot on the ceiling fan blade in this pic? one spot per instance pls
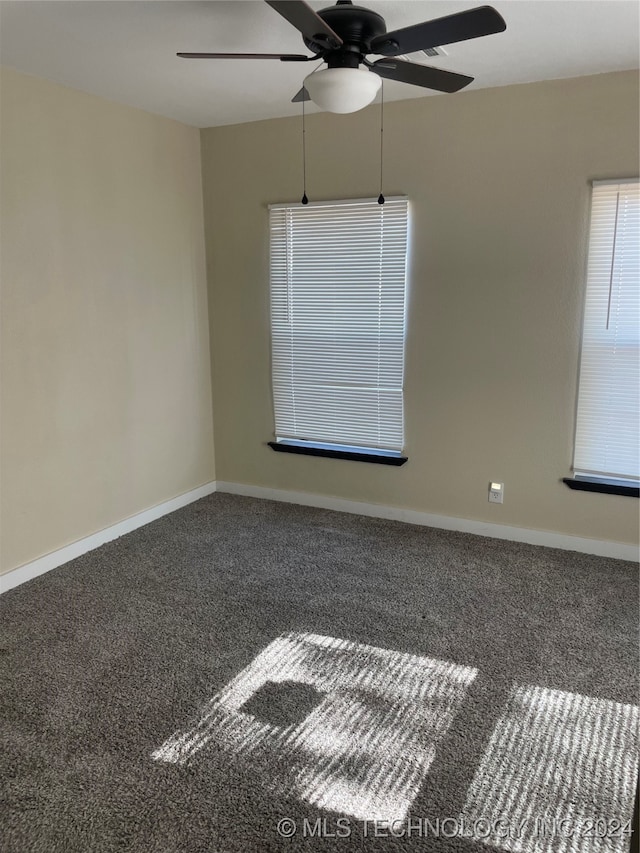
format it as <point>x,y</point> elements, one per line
<point>301,95</point>
<point>420,75</point>
<point>471,24</point>
<point>283,57</point>
<point>303,18</point>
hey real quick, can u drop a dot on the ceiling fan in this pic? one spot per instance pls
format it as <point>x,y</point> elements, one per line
<point>344,35</point>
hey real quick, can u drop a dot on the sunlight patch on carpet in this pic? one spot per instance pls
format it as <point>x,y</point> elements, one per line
<point>562,767</point>
<point>365,736</point>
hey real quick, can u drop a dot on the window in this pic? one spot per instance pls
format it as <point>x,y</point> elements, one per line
<point>607,442</point>
<point>338,281</point>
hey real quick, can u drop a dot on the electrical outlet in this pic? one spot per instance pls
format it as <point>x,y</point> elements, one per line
<point>496,493</point>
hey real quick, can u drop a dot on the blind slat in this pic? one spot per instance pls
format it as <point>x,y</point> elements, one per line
<point>338,281</point>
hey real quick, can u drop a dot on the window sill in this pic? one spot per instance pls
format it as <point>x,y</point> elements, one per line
<point>602,485</point>
<point>332,452</point>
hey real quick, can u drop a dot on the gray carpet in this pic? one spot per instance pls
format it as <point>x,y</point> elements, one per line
<point>381,686</point>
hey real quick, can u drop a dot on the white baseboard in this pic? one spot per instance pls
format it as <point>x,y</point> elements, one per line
<point>76,549</point>
<point>599,547</point>
<point>548,538</point>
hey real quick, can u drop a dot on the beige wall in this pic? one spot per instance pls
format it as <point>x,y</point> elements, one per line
<point>106,396</point>
<point>499,187</point>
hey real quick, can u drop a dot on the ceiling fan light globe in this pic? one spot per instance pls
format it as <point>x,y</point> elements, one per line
<point>342,90</point>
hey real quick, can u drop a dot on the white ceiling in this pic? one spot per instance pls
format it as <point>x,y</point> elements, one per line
<point>125,51</point>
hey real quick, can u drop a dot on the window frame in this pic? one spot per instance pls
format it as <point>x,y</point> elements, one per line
<point>583,480</point>
<point>334,449</point>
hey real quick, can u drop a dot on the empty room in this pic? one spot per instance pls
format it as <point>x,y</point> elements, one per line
<point>320,426</point>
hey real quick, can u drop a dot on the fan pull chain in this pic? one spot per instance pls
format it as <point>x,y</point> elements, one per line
<point>381,197</point>
<point>304,199</point>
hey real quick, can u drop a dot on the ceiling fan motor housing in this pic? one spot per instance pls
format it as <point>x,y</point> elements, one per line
<point>356,26</point>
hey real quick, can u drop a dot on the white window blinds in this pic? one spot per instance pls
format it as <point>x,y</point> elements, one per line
<point>608,418</point>
<point>338,275</point>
